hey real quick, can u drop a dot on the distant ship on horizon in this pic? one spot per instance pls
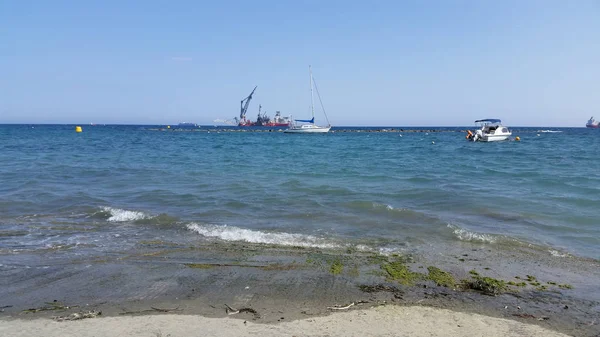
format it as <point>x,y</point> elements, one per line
<point>183,125</point>
<point>592,123</point>
<point>262,119</point>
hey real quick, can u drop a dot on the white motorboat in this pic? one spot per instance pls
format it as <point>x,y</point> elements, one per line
<point>310,126</point>
<point>490,130</point>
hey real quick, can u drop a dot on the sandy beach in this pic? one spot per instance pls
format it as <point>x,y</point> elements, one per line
<point>380,321</point>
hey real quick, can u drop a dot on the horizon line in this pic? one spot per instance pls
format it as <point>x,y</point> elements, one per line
<point>236,126</point>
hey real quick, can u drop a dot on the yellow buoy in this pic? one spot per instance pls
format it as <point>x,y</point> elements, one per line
<point>168,126</point>
<point>517,138</point>
<point>78,129</point>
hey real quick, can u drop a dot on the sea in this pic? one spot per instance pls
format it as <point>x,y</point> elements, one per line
<point>388,190</point>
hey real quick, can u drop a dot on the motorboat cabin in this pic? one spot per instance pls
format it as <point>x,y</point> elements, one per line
<point>490,130</point>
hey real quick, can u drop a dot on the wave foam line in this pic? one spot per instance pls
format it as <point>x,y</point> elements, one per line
<point>122,215</point>
<point>556,253</point>
<point>232,233</point>
<point>387,207</point>
<point>465,235</point>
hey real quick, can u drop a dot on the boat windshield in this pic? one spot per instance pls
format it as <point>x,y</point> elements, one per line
<point>488,122</point>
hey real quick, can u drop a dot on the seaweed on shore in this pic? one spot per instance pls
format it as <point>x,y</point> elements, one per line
<point>336,267</point>
<point>534,282</point>
<point>396,268</point>
<point>440,277</point>
<point>400,272</point>
<point>486,285</point>
<point>377,259</point>
<point>54,305</point>
<point>375,288</point>
<point>332,263</point>
<point>519,284</point>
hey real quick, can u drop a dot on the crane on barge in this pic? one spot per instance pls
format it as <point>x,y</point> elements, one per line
<point>244,108</point>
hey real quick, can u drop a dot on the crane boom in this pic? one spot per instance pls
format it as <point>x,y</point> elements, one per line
<point>244,106</point>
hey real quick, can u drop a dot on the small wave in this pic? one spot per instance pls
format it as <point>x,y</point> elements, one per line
<point>232,233</point>
<point>373,206</point>
<point>378,206</point>
<point>122,215</point>
<point>465,235</point>
<point>549,131</point>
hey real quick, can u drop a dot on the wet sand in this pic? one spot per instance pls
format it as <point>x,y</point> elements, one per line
<point>177,285</point>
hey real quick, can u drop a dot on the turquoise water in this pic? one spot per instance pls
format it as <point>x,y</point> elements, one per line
<point>108,188</point>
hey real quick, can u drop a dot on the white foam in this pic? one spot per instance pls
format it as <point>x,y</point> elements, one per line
<point>556,253</point>
<point>465,235</point>
<point>122,215</point>
<point>364,248</point>
<point>389,251</point>
<point>550,131</point>
<point>232,233</point>
<point>386,206</point>
<point>390,208</point>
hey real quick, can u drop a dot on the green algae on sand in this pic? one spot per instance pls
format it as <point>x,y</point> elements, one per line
<point>486,285</point>
<point>440,277</point>
<point>400,272</point>
<point>336,267</point>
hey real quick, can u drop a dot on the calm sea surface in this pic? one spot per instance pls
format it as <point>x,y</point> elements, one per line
<point>106,189</point>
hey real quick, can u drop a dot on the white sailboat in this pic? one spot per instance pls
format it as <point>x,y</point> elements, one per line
<point>309,124</point>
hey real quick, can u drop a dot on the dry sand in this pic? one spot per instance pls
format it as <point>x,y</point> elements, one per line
<point>379,321</point>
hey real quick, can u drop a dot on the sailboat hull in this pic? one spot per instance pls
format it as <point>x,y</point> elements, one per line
<point>312,129</point>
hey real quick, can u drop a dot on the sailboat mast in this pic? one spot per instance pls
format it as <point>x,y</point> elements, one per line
<point>312,104</point>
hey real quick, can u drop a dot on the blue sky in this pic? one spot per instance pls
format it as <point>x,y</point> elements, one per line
<point>400,63</point>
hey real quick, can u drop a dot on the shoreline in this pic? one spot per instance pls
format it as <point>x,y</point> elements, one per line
<point>298,284</point>
<point>377,321</point>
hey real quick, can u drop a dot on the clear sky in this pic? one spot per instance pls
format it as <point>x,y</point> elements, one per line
<point>396,63</point>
